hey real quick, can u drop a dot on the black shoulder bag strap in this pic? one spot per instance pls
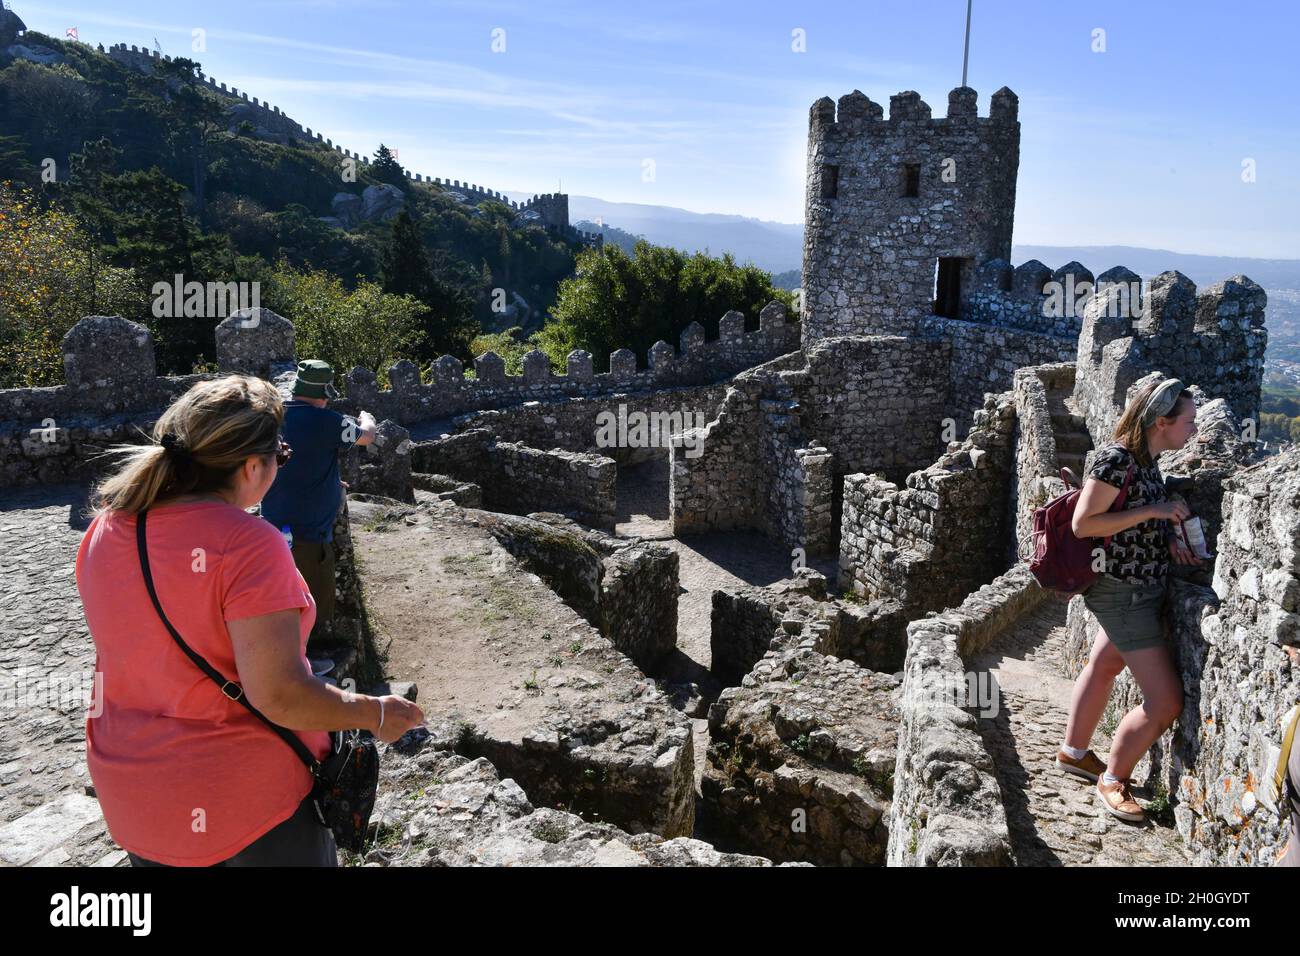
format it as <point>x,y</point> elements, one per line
<point>228,687</point>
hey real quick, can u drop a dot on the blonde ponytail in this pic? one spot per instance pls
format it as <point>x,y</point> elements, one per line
<point>200,441</point>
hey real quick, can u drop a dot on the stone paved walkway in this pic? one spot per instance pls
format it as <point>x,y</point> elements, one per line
<point>1055,819</point>
<point>46,671</point>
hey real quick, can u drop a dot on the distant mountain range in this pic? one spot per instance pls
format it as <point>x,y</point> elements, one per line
<point>778,246</point>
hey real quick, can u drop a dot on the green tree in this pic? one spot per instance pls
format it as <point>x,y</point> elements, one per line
<point>197,117</point>
<point>406,269</point>
<point>364,326</point>
<point>45,287</point>
<point>386,169</point>
<point>619,301</point>
<point>152,234</point>
<point>97,160</point>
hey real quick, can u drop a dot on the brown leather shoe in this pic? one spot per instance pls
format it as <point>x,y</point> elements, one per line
<point>1090,767</point>
<point>1118,799</point>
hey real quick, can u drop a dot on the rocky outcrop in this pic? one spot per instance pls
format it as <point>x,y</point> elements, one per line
<point>375,204</point>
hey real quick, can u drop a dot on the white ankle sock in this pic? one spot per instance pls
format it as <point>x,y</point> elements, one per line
<point>1107,778</point>
<point>1075,753</point>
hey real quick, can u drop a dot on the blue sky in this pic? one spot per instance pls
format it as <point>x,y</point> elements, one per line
<point>1142,144</point>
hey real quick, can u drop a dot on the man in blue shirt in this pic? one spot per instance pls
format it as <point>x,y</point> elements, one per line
<point>307,493</point>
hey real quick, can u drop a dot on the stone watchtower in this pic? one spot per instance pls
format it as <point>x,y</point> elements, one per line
<point>900,210</point>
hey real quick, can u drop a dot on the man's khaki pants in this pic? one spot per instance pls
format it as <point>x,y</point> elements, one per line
<point>315,560</point>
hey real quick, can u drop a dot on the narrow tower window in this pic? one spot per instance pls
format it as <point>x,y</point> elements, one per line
<point>830,181</point>
<point>912,180</point>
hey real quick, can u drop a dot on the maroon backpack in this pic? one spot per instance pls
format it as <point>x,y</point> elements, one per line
<point>1060,561</point>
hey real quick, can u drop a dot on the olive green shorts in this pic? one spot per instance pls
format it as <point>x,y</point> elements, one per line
<point>1130,613</point>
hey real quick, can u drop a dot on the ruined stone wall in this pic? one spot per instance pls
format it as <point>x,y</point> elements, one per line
<point>576,424</point>
<point>581,486</point>
<point>789,429</point>
<point>742,626</point>
<point>749,622</point>
<point>947,808</point>
<point>931,542</point>
<point>381,468</point>
<point>462,456</point>
<point>639,602</point>
<point>799,759</point>
<point>985,359</point>
<point>1214,339</point>
<point>56,433</point>
<point>627,589</point>
<point>870,249</point>
<point>1037,478</point>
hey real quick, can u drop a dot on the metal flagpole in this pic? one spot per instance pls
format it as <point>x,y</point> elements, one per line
<point>965,57</point>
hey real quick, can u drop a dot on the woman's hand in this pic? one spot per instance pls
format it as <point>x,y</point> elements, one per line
<point>400,715</point>
<point>1170,510</point>
<point>1182,554</point>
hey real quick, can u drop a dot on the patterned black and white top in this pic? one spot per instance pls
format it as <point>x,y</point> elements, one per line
<point>1139,555</point>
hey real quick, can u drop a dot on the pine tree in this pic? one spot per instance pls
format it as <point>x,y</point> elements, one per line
<point>386,168</point>
<point>406,269</point>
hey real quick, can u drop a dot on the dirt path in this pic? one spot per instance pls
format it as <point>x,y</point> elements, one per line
<point>1055,819</point>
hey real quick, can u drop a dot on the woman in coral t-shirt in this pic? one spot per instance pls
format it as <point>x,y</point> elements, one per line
<point>185,775</point>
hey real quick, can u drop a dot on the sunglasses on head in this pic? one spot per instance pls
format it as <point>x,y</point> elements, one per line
<point>282,452</point>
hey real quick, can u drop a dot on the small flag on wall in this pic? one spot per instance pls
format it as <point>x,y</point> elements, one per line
<point>72,32</point>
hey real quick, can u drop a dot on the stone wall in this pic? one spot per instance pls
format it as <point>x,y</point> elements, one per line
<point>517,479</point>
<point>583,486</point>
<point>381,468</point>
<point>1038,469</point>
<point>985,359</point>
<point>57,433</point>
<point>627,589</point>
<point>789,430</point>
<point>947,808</point>
<point>1034,297</point>
<point>1215,339</point>
<point>749,622</point>
<point>582,424</point>
<point>799,759</point>
<point>450,393</point>
<point>931,542</point>
<point>870,249</point>
<point>638,602</point>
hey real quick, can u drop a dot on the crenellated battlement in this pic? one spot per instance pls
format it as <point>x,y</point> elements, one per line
<point>553,208</point>
<point>1034,297</point>
<point>894,203</point>
<point>856,112</point>
<point>1214,338</point>
<point>52,433</point>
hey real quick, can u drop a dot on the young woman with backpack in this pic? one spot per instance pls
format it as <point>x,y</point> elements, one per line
<point>1129,597</point>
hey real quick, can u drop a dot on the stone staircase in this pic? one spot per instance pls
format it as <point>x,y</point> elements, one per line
<point>1069,430</point>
